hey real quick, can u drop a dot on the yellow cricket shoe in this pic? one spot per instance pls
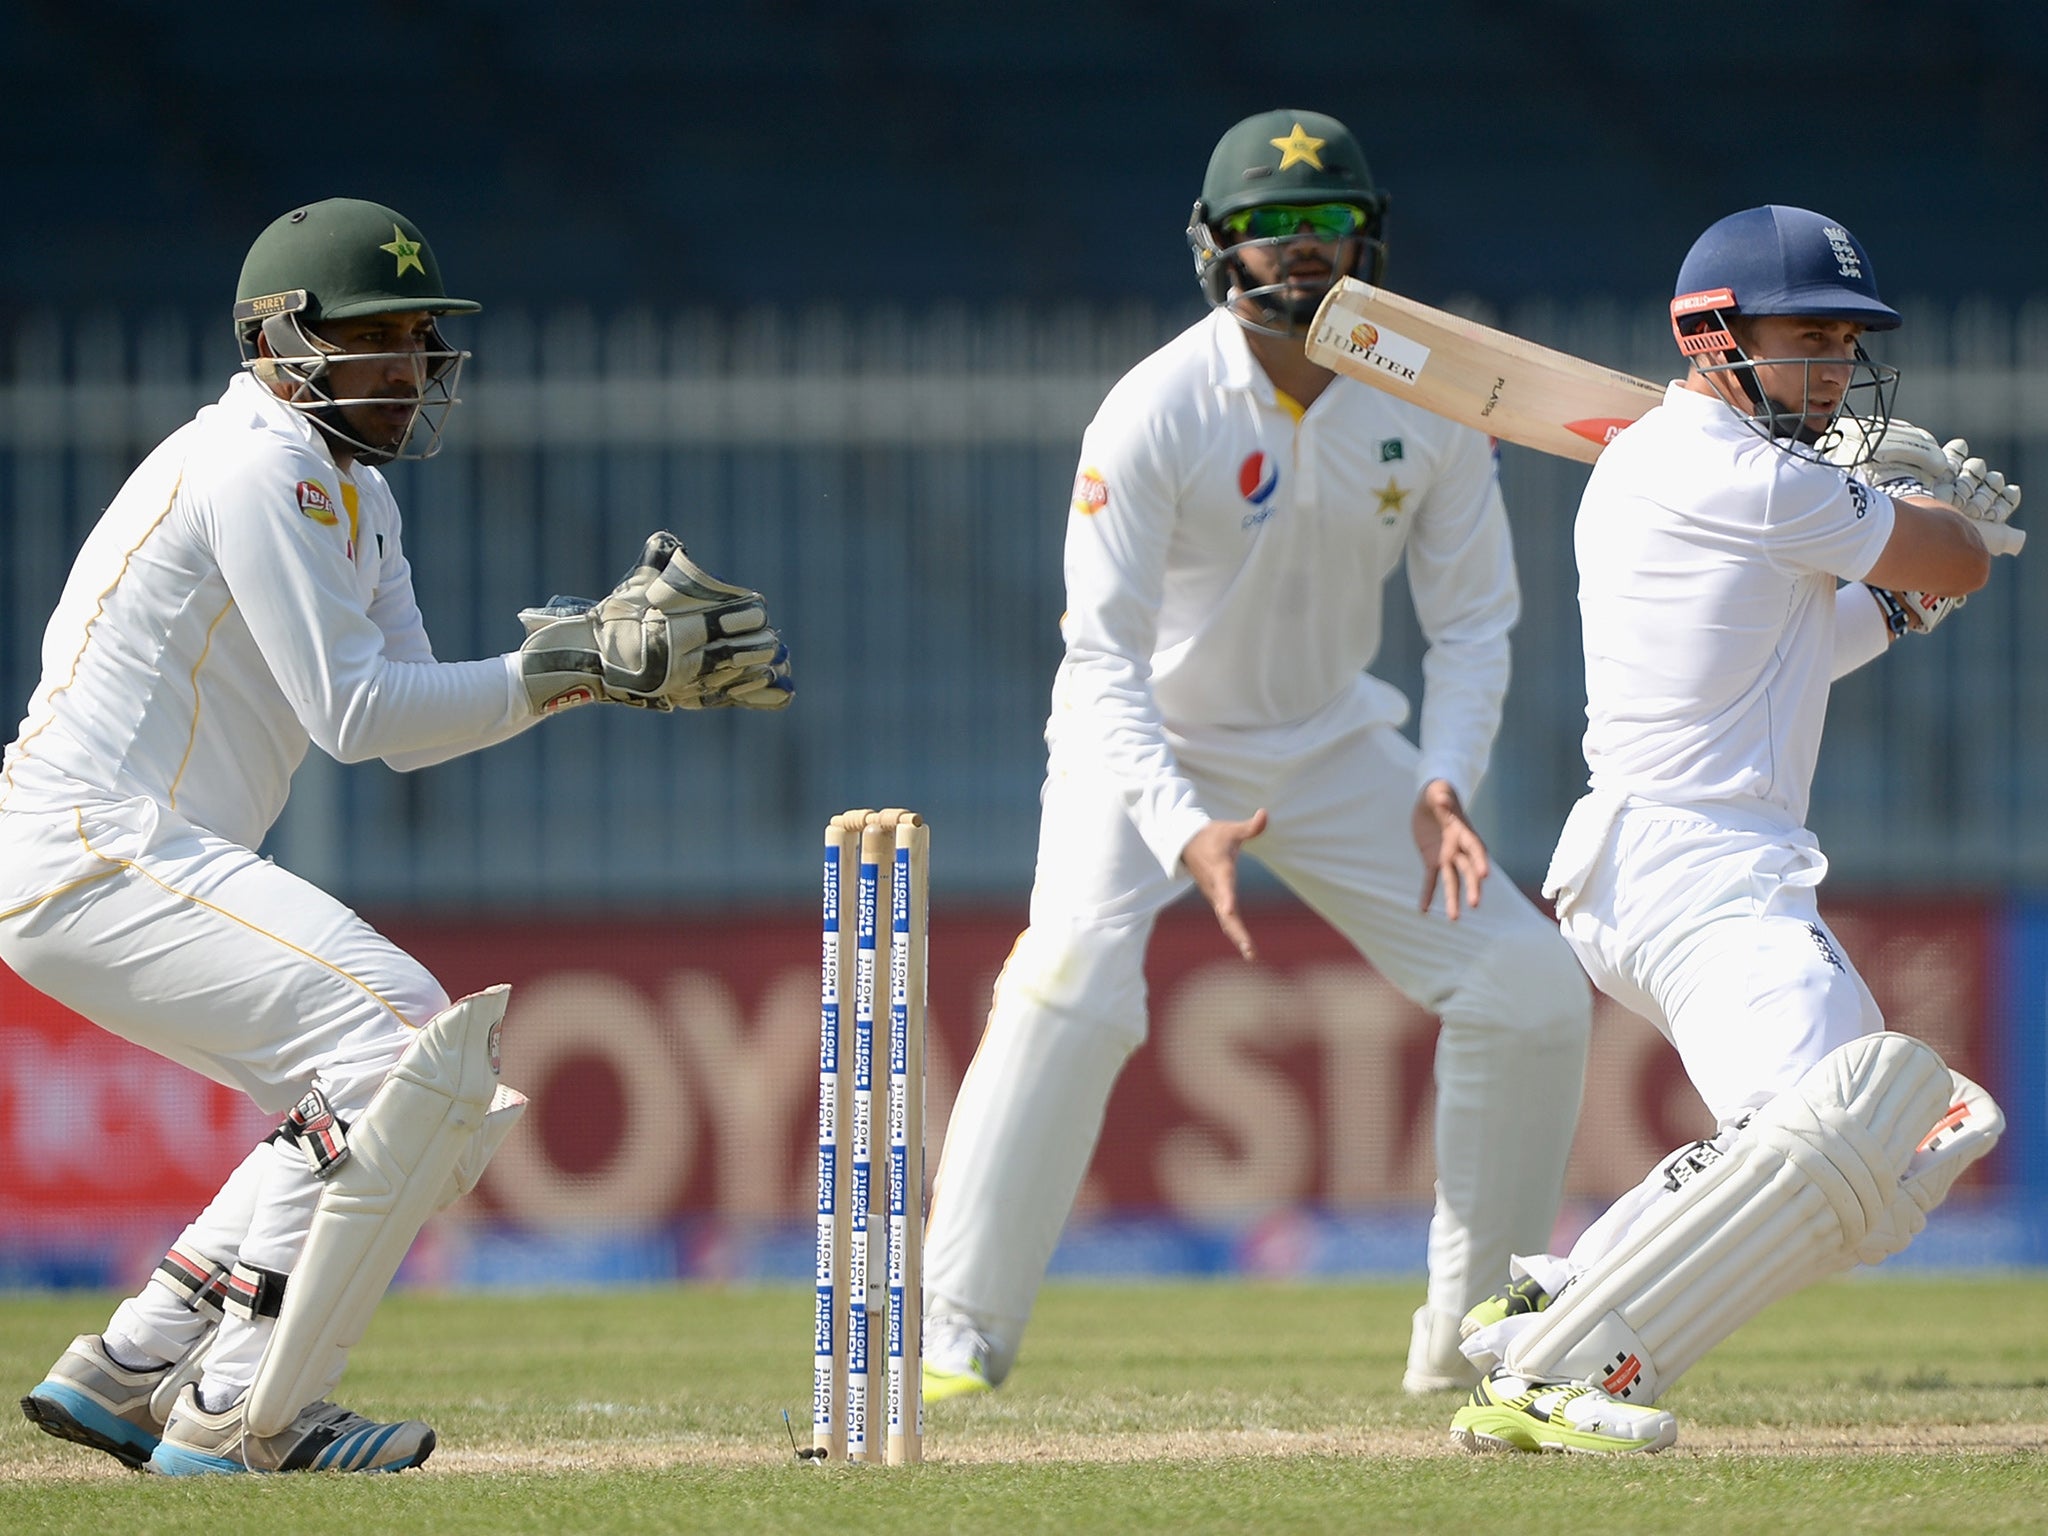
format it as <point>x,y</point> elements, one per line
<point>1514,1413</point>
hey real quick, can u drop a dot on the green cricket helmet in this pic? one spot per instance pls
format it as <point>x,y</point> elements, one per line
<point>1275,180</point>
<point>339,260</point>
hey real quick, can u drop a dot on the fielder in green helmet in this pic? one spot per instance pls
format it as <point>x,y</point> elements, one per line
<point>1288,206</point>
<point>1238,512</point>
<point>245,597</point>
<point>336,312</point>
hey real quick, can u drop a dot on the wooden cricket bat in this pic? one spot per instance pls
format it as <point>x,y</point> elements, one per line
<point>1513,389</point>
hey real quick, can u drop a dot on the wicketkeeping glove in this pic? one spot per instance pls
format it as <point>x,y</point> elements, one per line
<point>669,636</point>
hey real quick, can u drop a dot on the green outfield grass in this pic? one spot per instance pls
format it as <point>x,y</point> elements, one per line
<point>1866,1405</point>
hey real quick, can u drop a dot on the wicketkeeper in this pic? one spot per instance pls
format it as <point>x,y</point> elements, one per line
<point>246,594</point>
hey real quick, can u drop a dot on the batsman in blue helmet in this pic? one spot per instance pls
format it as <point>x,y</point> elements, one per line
<point>1767,528</point>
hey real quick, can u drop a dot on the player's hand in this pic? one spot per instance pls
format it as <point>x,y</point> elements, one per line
<point>1913,613</point>
<point>756,678</point>
<point>668,636</point>
<point>1453,854</point>
<point>1893,456</point>
<point>1980,493</point>
<point>1211,857</point>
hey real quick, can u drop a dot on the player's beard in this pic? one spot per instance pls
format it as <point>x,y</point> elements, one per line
<point>1777,417</point>
<point>372,441</point>
<point>1296,304</point>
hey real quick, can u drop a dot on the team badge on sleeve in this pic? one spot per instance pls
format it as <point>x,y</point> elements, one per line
<point>1091,492</point>
<point>317,504</point>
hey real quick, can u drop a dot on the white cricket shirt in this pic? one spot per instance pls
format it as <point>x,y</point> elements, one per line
<point>1224,562</point>
<point>240,597</point>
<point>1708,562</point>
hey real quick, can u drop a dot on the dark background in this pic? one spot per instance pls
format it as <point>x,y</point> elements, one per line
<point>921,150</point>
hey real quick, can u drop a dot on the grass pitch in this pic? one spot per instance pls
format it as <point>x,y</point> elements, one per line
<point>1864,1405</point>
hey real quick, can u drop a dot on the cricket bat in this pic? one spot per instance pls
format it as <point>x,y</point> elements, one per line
<point>1513,389</point>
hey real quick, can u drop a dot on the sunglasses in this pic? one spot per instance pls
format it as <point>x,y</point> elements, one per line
<point>1279,221</point>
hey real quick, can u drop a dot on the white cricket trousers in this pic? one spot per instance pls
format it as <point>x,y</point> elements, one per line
<point>197,949</point>
<point>1706,922</point>
<point>1070,1007</point>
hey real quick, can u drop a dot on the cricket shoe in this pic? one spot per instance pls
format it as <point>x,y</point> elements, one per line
<point>1514,1413</point>
<point>1434,1361</point>
<point>91,1398</point>
<point>956,1362</point>
<point>323,1438</point>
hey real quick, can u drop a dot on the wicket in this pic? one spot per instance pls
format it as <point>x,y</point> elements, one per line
<point>898,842</point>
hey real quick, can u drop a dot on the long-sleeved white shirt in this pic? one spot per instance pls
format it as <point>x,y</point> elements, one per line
<point>241,597</point>
<point>1708,568</point>
<point>1224,566</point>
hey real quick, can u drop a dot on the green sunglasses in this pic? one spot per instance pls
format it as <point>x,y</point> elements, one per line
<point>1278,221</point>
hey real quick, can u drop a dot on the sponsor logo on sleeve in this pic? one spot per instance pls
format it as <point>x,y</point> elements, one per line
<point>1091,492</point>
<point>317,504</point>
<point>1859,496</point>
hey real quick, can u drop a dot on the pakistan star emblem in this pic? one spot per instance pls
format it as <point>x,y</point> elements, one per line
<point>1391,496</point>
<point>1299,147</point>
<point>408,251</point>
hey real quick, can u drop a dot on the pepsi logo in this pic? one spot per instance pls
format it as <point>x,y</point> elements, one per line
<point>1257,478</point>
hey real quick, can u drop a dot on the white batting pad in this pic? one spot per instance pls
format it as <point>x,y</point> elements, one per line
<point>1969,1129</point>
<point>1798,1191</point>
<point>406,1148</point>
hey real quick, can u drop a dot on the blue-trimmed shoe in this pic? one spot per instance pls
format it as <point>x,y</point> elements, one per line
<point>91,1399</point>
<point>323,1438</point>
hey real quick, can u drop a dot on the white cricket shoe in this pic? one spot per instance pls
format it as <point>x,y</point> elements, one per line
<point>323,1438</point>
<point>91,1398</point>
<point>1434,1361</point>
<point>957,1360</point>
<point>1515,1413</point>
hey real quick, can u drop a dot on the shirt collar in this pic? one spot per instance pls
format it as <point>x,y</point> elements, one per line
<point>1231,364</point>
<point>246,391</point>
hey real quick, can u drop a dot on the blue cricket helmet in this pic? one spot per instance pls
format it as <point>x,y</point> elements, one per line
<point>1774,260</point>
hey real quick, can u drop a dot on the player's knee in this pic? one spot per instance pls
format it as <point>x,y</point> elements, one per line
<point>1079,972</point>
<point>352,1076</point>
<point>1528,982</point>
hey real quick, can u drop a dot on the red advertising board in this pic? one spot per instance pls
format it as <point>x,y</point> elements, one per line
<point>673,1071</point>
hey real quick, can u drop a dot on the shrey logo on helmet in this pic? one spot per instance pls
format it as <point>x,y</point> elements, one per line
<point>339,260</point>
<point>1295,183</point>
<point>1779,260</point>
